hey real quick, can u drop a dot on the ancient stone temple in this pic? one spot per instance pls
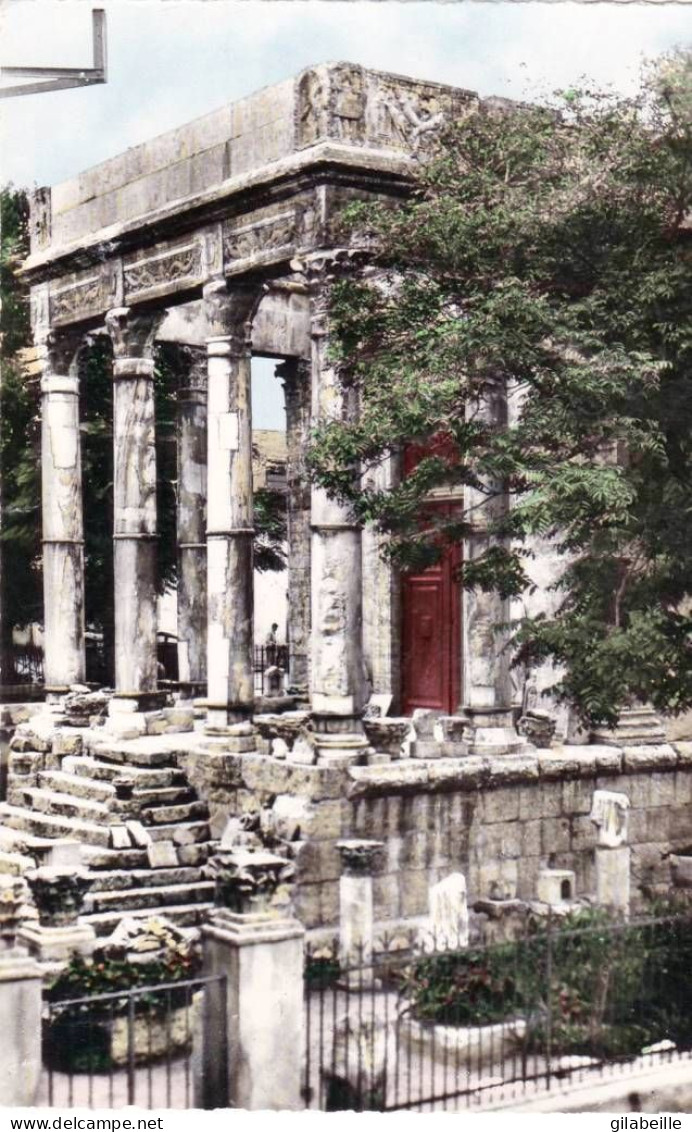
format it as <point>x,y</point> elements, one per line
<point>221,237</point>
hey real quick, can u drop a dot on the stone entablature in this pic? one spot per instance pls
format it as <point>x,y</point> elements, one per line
<point>251,185</point>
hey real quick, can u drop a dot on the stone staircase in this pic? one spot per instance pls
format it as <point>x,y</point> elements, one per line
<point>144,832</point>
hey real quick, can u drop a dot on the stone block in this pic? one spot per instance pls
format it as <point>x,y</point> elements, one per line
<point>541,800</point>
<point>656,757</point>
<point>326,820</point>
<point>530,839</point>
<point>683,788</point>
<point>555,886</point>
<point>684,753</point>
<point>386,896</point>
<point>577,795</point>
<point>662,789</point>
<point>517,769</point>
<point>498,880</point>
<point>413,892</point>
<point>68,742</point>
<point>192,854</point>
<point>318,861</point>
<point>138,834</point>
<point>120,838</point>
<point>162,855</point>
<point>555,836</point>
<point>567,762</point>
<point>126,725</point>
<point>497,842</point>
<point>680,824</point>
<point>499,805</point>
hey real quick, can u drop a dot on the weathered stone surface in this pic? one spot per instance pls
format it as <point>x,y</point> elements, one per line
<point>162,854</point>
<point>609,815</point>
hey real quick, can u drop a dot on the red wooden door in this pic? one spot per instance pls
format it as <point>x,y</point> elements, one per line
<point>431,637</point>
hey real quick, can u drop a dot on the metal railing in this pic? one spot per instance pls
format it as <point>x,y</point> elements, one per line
<point>416,1026</point>
<point>151,1046</point>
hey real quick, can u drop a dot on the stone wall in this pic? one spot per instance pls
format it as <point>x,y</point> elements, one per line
<point>496,820</point>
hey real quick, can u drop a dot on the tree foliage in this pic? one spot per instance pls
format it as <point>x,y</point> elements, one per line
<point>544,253</point>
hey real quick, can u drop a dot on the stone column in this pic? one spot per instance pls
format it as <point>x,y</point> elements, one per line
<point>260,951</point>
<point>295,375</point>
<point>487,658</point>
<point>191,523</point>
<point>356,917</point>
<point>230,530</point>
<point>20,1005</point>
<point>63,524</point>
<point>135,564</point>
<point>337,672</point>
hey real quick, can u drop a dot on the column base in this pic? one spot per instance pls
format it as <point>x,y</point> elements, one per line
<point>52,945</point>
<point>493,732</point>
<point>236,738</point>
<point>339,741</point>
<point>127,718</point>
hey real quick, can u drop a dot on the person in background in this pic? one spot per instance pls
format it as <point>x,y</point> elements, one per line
<point>271,644</point>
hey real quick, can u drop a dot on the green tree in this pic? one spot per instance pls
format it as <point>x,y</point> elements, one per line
<point>543,250</point>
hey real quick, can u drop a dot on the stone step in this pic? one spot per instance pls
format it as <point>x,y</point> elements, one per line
<point>186,915</point>
<point>19,841</point>
<point>150,797</point>
<point>164,895</point>
<point>114,859</point>
<point>44,801</point>
<point>81,787</point>
<point>135,753</point>
<point>143,777</point>
<point>182,833</point>
<point>53,826</point>
<point>15,864</point>
<point>114,880</point>
<point>168,815</point>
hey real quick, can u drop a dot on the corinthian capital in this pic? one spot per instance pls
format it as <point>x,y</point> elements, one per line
<point>229,311</point>
<point>132,335</point>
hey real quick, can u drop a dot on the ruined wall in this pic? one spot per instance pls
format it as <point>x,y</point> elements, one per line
<point>497,820</point>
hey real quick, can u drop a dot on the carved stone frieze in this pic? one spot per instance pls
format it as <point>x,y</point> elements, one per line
<point>77,301</point>
<point>264,236</point>
<point>163,269</point>
<point>349,104</point>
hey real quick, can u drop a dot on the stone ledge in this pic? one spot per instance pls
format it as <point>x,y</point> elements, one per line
<point>483,772</point>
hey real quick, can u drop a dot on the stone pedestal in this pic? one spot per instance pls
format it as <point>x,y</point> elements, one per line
<point>261,954</point>
<point>609,814</point>
<point>337,673</point>
<point>191,523</point>
<point>134,503</point>
<point>59,892</point>
<point>230,531</point>
<point>356,919</point>
<point>20,1005</point>
<point>613,878</point>
<point>62,519</point>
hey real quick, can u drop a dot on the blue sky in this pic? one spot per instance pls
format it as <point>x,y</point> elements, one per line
<point>173,60</point>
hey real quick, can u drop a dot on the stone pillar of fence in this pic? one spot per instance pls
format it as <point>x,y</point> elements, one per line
<point>609,815</point>
<point>20,1005</point>
<point>260,951</point>
<point>356,919</point>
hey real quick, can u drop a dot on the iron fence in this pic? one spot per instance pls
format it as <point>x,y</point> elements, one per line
<point>268,656</point>
<point>417,1026</point>
<point>159,1046</point>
